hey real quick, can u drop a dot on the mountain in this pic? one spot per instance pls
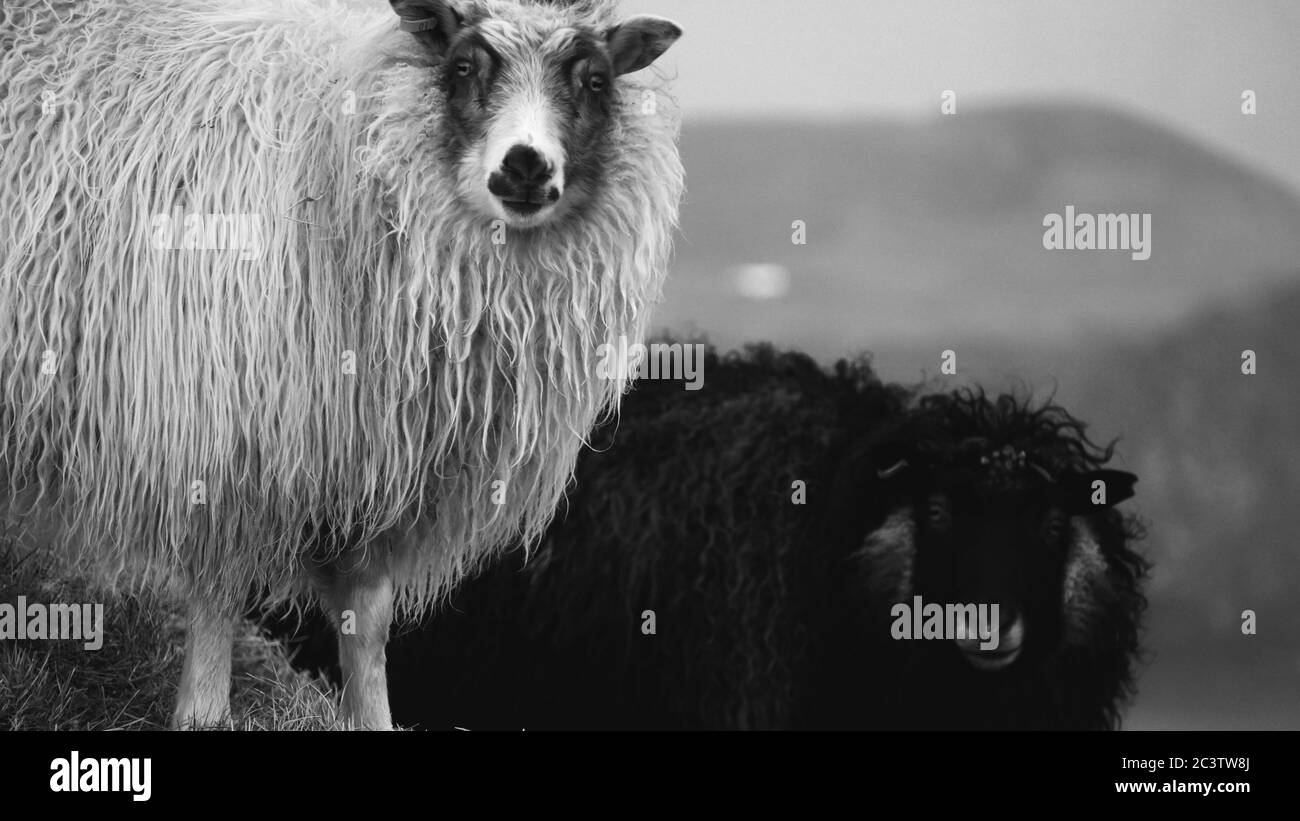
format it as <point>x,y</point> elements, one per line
<point>1218,452</point>
<point>936,224</point>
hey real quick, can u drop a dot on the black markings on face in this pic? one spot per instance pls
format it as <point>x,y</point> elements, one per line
<point>991,546</point>
<point>588,98</point>
<point>577,80</point>
<point>469,73</point>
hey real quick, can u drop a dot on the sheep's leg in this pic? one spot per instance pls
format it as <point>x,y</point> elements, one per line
<point>204,697</point>
<point>360,605</point>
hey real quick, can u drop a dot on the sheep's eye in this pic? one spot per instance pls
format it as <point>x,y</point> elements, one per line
<point>597,82</point>
<point>464,68</point>
<point>1054,527</point>
<point>937,513</point>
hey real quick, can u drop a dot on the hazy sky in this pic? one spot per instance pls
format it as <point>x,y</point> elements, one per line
<point>1180,62</point>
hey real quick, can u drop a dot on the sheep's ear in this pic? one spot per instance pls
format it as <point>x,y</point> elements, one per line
<point>433,22</point>
<point>1083,493</point>
<point>901,472</point>
<point>886,456</point>
<point>639,41</point>
<point>896,469</point>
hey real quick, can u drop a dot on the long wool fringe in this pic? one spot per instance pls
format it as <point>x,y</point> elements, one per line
<point>131,373</point>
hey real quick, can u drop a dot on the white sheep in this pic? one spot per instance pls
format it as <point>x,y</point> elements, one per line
<point>288,272</point>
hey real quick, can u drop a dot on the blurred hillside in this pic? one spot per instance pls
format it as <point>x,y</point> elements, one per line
<point>1218,450</point>
<point>1219,456</point>
<point>936,224</point>
<point>926,236</point>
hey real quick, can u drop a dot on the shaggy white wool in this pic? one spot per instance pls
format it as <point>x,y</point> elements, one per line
<point>130,373</point>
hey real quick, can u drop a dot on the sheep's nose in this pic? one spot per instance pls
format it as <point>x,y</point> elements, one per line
<point>526,165</point>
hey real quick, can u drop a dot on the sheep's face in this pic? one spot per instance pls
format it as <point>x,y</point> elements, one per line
<point>983,547</point>
<point>1027,546</point>
<point>531,92</point>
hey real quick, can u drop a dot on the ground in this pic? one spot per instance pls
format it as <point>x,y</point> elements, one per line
<point>130,682</point>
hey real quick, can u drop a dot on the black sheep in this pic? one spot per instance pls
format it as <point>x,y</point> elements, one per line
<point>986,501</point>
<point>757,518</point>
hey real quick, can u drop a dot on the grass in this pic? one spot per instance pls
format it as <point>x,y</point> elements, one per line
<point>130,682</point>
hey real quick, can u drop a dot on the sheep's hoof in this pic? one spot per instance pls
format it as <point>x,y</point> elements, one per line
<point>200,720</point>
<point>178,723</point>
<point>381,723</point>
